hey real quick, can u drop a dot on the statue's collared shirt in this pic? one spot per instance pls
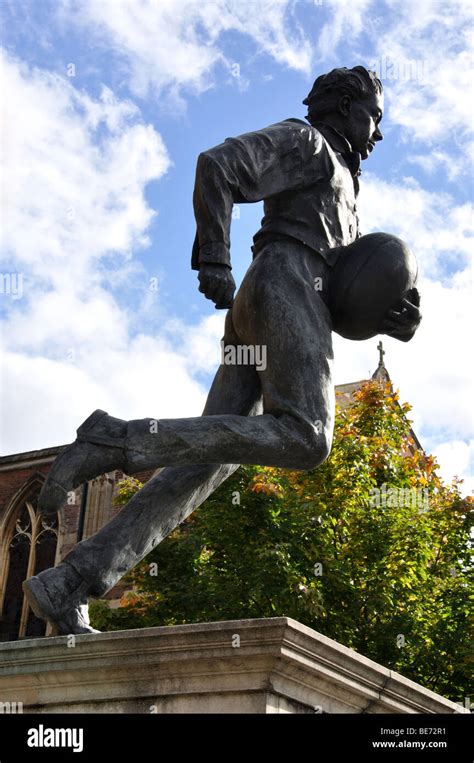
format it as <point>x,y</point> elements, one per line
<point>307,178</point>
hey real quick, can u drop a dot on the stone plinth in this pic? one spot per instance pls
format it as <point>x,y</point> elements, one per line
<point>271,665</point>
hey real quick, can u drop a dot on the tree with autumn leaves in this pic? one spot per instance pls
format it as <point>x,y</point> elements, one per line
<point>389,578</point>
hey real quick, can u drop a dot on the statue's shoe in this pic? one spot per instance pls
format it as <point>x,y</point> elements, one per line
<point>99,448</point>
<point>61,599</point>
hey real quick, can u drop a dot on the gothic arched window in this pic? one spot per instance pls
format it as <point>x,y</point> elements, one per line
<point>27,546</point>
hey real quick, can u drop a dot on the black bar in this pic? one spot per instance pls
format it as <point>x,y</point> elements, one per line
<point>324,737</point>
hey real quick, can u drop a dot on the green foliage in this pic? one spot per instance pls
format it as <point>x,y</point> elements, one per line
<point>391,581</point>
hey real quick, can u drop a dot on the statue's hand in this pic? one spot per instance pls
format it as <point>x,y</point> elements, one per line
<point>217,283</point>
<point>402,321</point>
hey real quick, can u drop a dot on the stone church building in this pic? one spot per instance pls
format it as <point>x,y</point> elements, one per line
<point>29,544</point>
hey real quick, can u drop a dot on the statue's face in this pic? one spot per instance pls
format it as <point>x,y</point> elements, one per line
<point>361,126</point>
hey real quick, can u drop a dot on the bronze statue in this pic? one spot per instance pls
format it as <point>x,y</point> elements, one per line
<point>312,273</point>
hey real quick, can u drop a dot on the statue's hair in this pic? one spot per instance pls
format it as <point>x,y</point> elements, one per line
<point>358,82</point>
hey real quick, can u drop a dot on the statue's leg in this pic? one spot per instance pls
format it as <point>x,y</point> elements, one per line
<point>279,308</point>
<point>303,387</point>
<point>94,566</point>
<point>283,320</point>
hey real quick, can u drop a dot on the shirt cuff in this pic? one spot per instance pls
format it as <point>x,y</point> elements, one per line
<point>215,254</point>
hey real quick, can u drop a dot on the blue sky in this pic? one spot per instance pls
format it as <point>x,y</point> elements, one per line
<point>98,180</point>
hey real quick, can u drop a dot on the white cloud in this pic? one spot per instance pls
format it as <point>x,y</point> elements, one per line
<point>74,174</point>
<point>346,23</point>
<point>171,45</point>
<point>456,457</point>
<point>453,165</point>
<point>46,400</point>
<point>68,346</point>
<point>424,55</point>
<point>200,343</point>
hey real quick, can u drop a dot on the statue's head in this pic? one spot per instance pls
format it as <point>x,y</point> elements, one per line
<point>350,100</point>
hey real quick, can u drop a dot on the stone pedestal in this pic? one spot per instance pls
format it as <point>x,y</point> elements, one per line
<point>271,665</point>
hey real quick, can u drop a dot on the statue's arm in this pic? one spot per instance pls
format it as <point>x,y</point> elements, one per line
<point>247,169</point>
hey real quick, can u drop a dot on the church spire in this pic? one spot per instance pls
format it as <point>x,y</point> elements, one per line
<point>381,373</point>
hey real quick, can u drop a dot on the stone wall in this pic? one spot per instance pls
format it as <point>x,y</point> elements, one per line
<point>268,665</point>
